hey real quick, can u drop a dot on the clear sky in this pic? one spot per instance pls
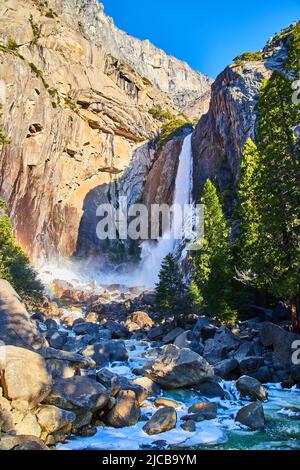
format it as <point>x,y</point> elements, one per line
<point>207,34</point>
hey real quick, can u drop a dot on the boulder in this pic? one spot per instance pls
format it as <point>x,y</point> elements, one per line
<point>85,328</point>
<point>201,323</point>
<point>252,416</point>
<point>250,387</point>
<point>28,426</point>
<point>138,321</point>
<point>211,389</point>
<point>76,360</point>
<point>79,393</point>
<point>250,364</point>
<point>110,381</point>
<point>8,442</point>
<point>16,328</point>
<point>125,412</point>
<point>106,351</point>
<point>189,426</point>
<point>172,335</point>
<point>117,330</point>
<point>24,375</point>
<point>149,298</point>
<point>214,352</point>
<point>156,333</point>
<point>152,388</point>
<point>166,402</point>
<point>52,419</point>
<point>280,340</point>
<point>163,420</point>
<point>263,375</point>
<point>204,410</point>
<point>51,324</point>
<point>226,369</point>
<point>177,368</point>
<point>183,341</point>
<point>56,339</point>
<point>246,349</point>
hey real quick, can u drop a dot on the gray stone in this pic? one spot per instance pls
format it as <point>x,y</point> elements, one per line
<point>226,368</point>
<point>172,335</point>
<point>125,412</point>
<point>248,386</point>
<point>85,328</point>
<point>250,364</point>
<point>252,416</point>
<point>163,420</point>
<point>211,389</point>
<point>189,426</point>
<point>177,368</point>
<point>79,393</point>
<point>118,330</point>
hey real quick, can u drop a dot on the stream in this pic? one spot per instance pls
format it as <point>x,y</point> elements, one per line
<point>282,431</point>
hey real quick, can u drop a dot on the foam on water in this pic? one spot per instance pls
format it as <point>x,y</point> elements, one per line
<point>282,432</point>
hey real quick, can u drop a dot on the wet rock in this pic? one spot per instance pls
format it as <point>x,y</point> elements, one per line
<point>53,419</point>
<point>138,321</point>
<point>189,426</point>
<point>24,375</point>
<point>78,393</point>
<point>149,298</point>
<point>163,420</point>
<point>226,369</point>
<point>126,411</point>
<point>252,416</point>
<point>106,351</point>
<point>208,410</point>
<point>117,330</point>
<point>251,387</point>
<point>166,402</point>
<point>211,389</point>
<point>172,335</point>
<point>177,368</point>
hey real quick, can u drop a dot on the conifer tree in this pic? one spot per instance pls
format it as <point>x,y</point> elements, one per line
<point>14,264</point>
<point>269,192</point>
<point>213,272</point>
<point>170,291</point>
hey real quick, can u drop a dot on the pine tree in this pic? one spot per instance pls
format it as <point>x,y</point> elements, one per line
<point>269,193</point>
<point>213,272</point>
<point>171,295</point>
<point>14,264</point>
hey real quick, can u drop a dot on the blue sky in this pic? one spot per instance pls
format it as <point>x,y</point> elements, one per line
<point>207,34</point>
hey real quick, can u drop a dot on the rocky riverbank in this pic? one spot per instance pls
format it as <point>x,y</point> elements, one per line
<point>96,360</point>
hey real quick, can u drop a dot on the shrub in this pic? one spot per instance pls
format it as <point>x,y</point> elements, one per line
<point>14,264</point>
<point>248,57</point>
<point>171,129</point>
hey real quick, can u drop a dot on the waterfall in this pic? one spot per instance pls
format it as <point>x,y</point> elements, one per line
<point>153,254</point>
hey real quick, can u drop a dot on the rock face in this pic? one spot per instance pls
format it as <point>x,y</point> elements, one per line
<point>175,78</point>
<point>76,107</point>
<point>221,134</point>
<point>15,326</point>
<point>24,376</point>
<point>177,368</point>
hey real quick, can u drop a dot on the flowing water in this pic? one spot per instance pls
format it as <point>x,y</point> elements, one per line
<point>282,427</point>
